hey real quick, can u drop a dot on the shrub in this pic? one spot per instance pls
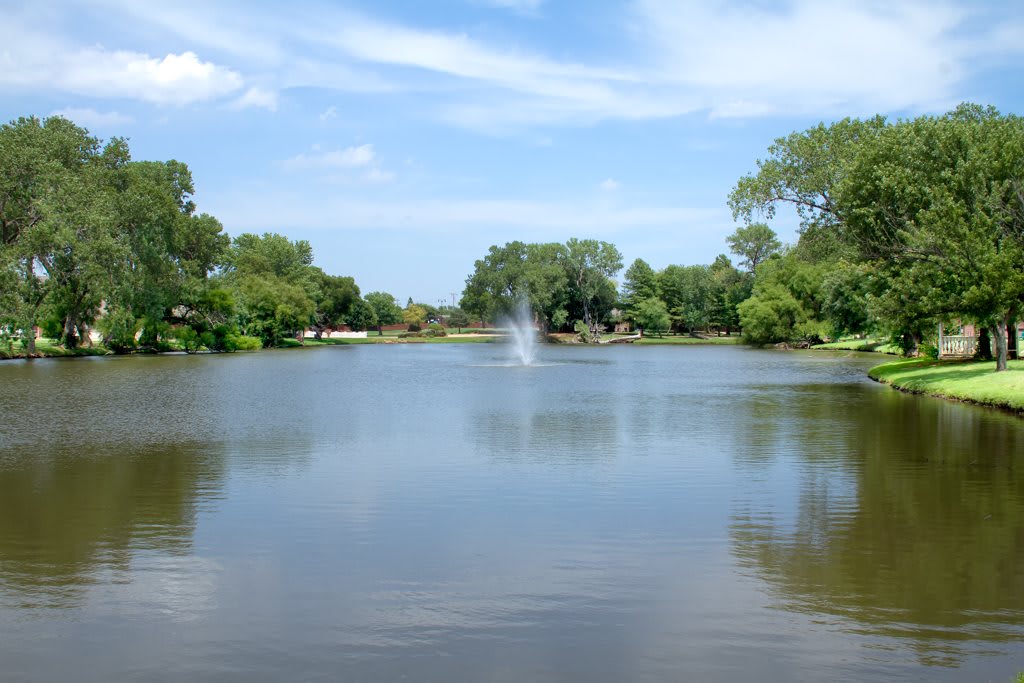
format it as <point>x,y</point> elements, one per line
<point>240,342</point>
<point>436,330</point>
<point>414,327</point>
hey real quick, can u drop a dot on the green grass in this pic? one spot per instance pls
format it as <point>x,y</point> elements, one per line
<point>859,345</point>
<point>684,340</point>
<point>972,381</point>
<point>49,348</point>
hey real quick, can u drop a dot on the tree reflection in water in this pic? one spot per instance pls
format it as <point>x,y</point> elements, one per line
<point>918,538</point>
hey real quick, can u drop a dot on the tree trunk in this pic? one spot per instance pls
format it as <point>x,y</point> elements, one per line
<point>984,350</point>
<point>30,333</point>
<point>1000,336</point>
<point>68,336</point>
<point>380,331</point>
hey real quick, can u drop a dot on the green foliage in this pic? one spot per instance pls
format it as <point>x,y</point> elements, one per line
<point>414,316</point>
<point>640,283</point>
<point>583,330</point>
<point>753,243</point>
<point>458,319</point>
<point>361,316</point>
<point>770,316</point>
<point>651,315</point>
<point>119,329</point>
<point>687,293</point>
<point>436,330</point>
<point>385,309</point>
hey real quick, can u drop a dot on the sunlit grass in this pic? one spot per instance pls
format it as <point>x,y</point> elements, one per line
<point>859,345</point>
<point>972,381</point>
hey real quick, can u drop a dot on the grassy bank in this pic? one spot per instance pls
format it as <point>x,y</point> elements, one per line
<point>48,348</point>
<point>971,381</point>
<point>859,345</point>
<point>686,340</point>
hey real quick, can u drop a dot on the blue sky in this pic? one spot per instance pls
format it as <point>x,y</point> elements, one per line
<point>402,139</point>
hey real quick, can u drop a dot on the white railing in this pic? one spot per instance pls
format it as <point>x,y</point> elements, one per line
<point>957,346</point>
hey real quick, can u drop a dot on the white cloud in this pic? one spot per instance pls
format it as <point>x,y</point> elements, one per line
<point>33,60</point>
<point>752,60</point>
<point>610,184</point>
<point>328,114</point>
<point>90,118</point>
<point>735,60</point>
<point>341,158</point>
<point>257,97</point>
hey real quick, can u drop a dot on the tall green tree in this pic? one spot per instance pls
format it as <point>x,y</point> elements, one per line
<point>275,283</point>
<point>386,310</point>
<point>935,203</point>
<point>590,265</point>
<point>639,283</point>
<point>753,244</point>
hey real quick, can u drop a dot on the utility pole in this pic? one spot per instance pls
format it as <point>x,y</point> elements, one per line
<point>453,299</point>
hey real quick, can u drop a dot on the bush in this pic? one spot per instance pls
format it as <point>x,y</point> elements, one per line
<point>770,316</point>
<point>583,331</point>
<point>240,342</point>
<point>436,330</point>
<point>411,335</point>
<point>413,327</point>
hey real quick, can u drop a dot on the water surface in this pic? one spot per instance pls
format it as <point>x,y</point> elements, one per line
<point>431,513</point>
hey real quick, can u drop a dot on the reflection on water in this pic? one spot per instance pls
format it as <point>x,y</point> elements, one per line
<point>909,520</point>
<point>378,513</point>
<point>71,520</point>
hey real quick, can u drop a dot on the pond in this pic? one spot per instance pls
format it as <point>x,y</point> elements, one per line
<point>435,513</point>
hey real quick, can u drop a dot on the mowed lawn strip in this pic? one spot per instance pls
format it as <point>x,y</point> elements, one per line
<point>972,381</point>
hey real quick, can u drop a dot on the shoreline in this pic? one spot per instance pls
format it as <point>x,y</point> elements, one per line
<point>962,381</point>
<point>47,349</point>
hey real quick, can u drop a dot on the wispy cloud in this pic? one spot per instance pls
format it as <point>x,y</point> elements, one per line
<point>261,98</point>
<point>349,157</point>
<point>609,184</point>
<point>90,118</point>
<point>728,60</point>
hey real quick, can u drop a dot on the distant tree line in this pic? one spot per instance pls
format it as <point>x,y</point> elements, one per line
<point>91,240</point>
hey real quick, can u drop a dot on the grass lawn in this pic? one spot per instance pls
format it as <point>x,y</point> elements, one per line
<point>46,347</point>
<point>860,345</point>
<point>973,381</point>
<point>685,340</point>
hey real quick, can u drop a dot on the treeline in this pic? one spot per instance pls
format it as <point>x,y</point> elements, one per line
<point>571,286</point>
<point>91,240</point>
<point>903,226</point>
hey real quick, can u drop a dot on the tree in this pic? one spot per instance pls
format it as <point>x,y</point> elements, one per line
<point>337,297</point>
<point>753,243</point>
<point>640,283</point>
<point>276,285</point>
<point>687,293</point>
<point>51,200</point>
<point>933,203</point>
<point>802,171</point>
<point>458,319</point>
<point>651,316</point>
<point>385,309</point>
<point>414,316</point>
<point>590,264</point>
<point>518,272</point>
<point>361,316</point>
